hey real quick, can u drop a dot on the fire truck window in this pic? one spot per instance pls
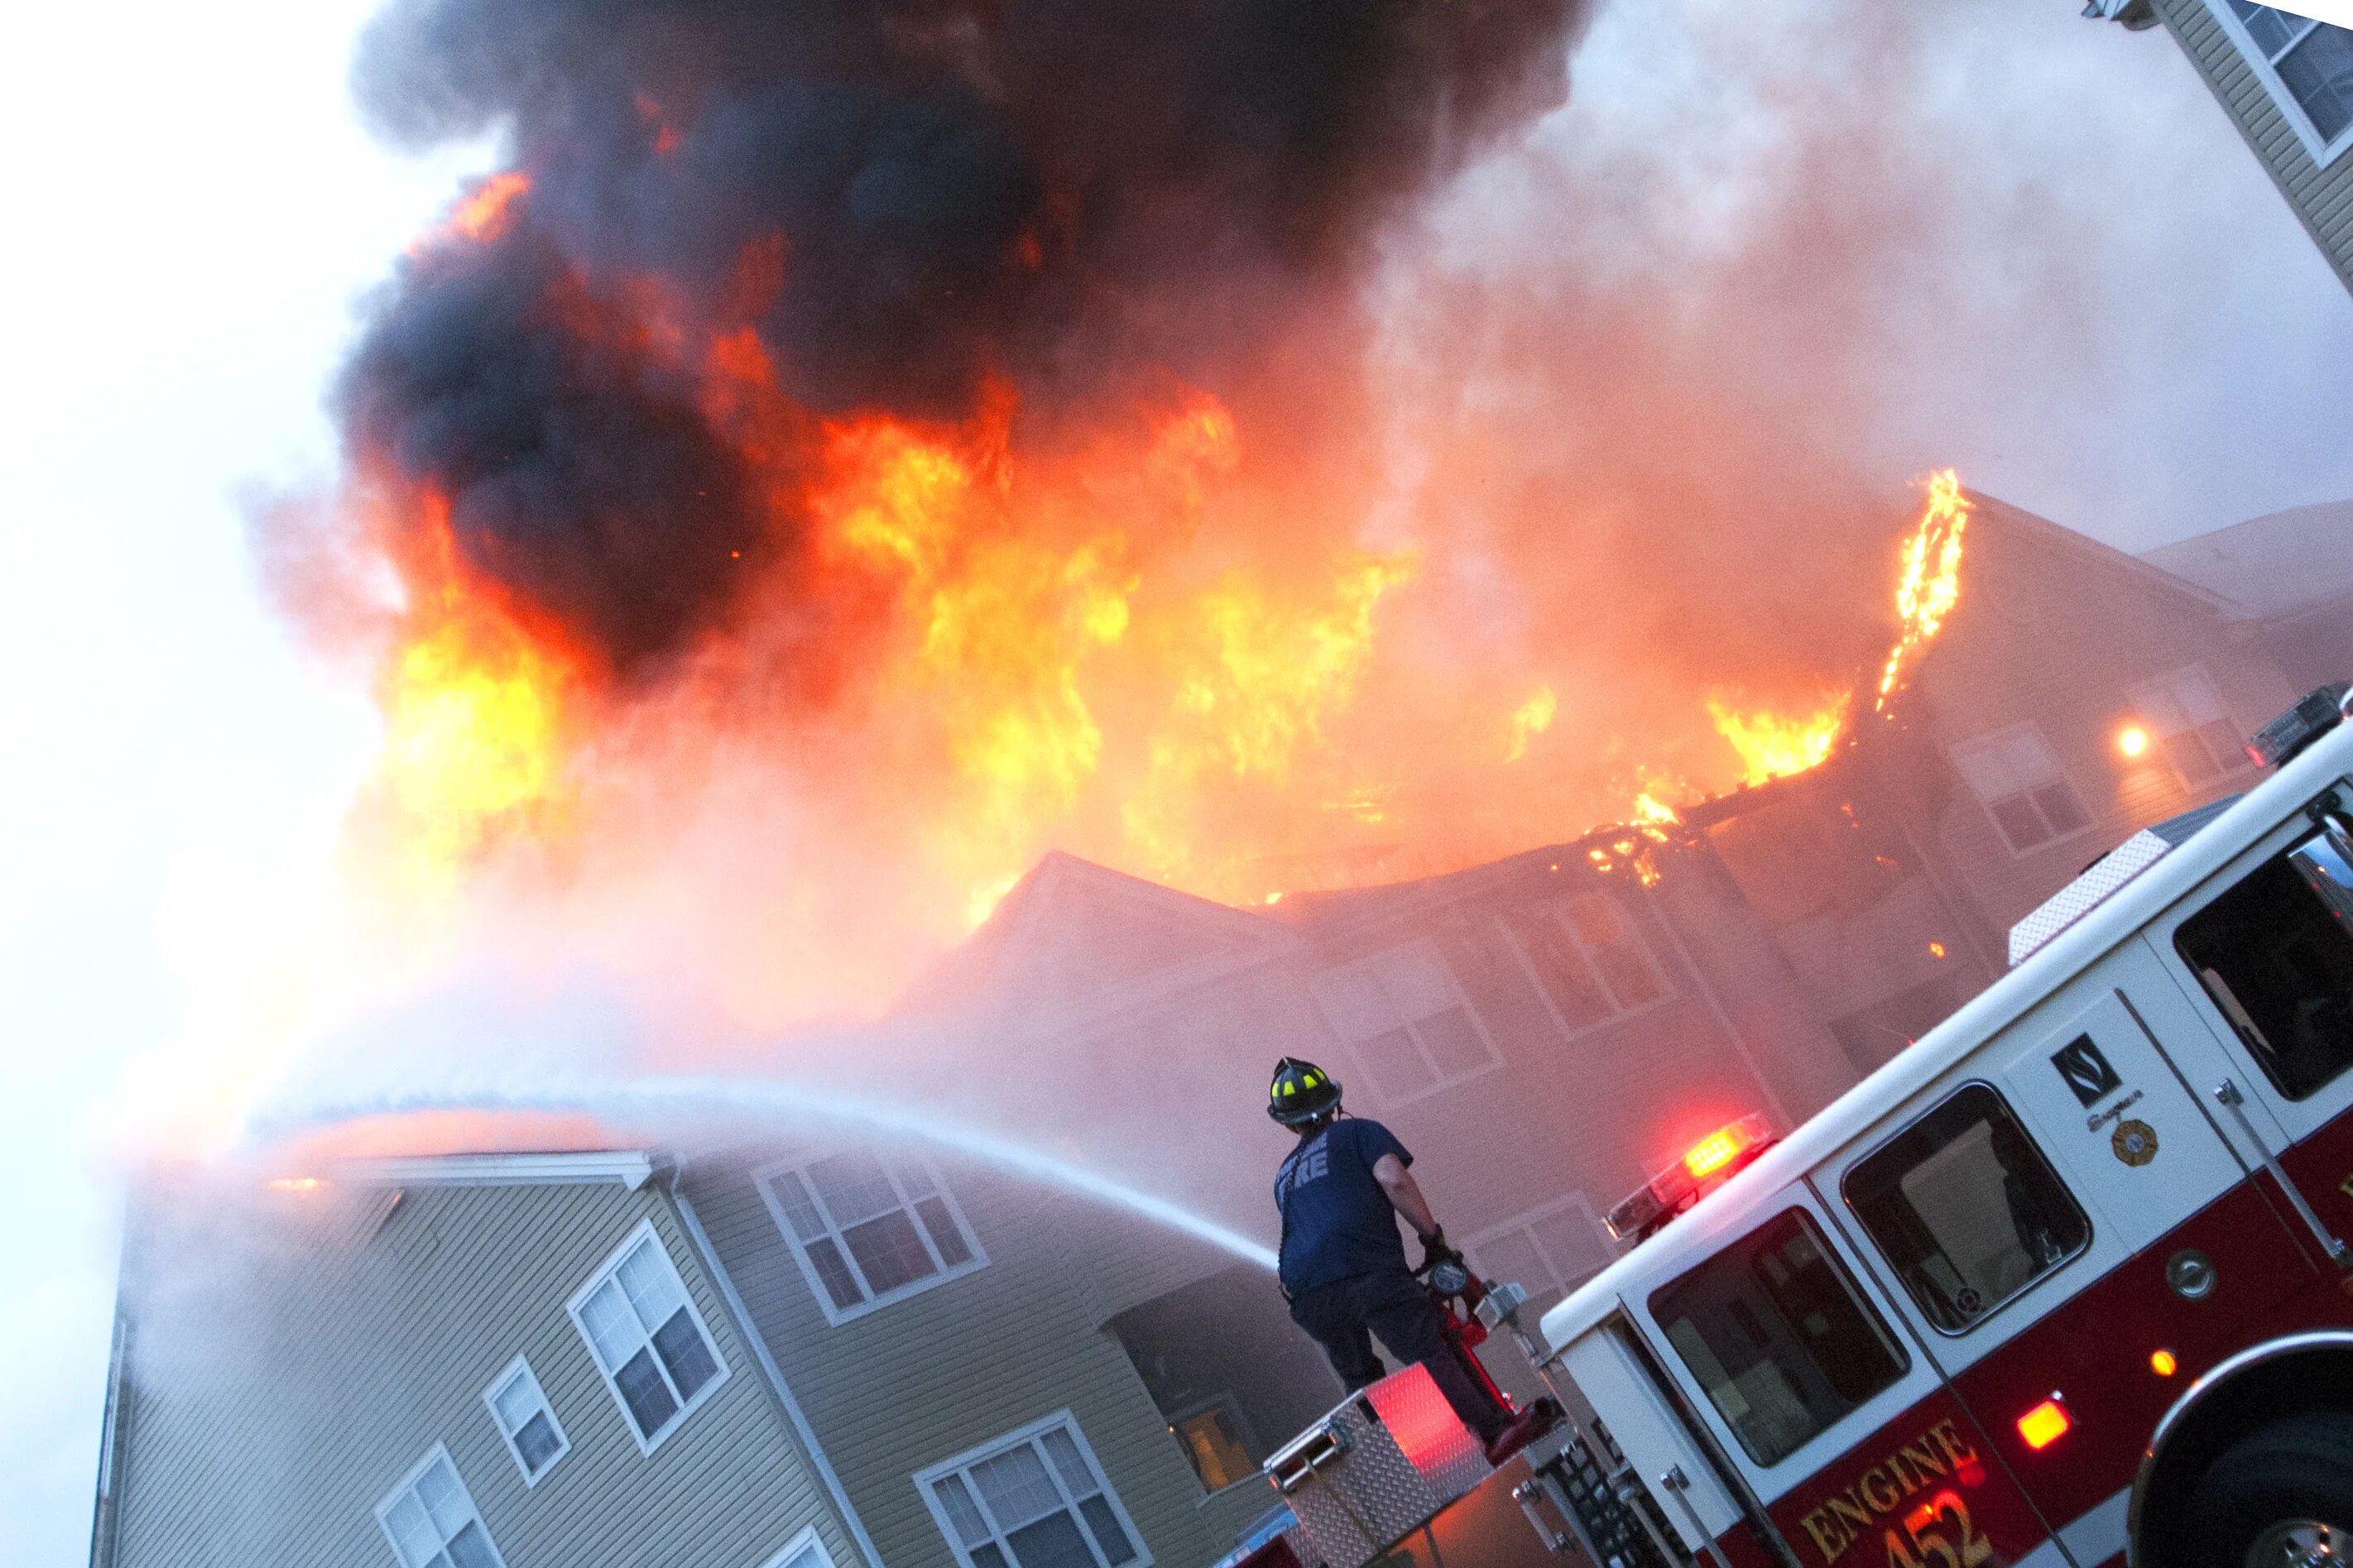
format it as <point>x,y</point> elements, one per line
<point>1775,1332</point>
<point>1966,1208</point>
<point>2275,953</point>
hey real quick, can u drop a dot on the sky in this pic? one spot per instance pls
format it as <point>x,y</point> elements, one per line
<point>2102,311</point>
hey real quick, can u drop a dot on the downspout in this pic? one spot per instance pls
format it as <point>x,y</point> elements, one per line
<point>674,1187</point>
<point>106,1509</point>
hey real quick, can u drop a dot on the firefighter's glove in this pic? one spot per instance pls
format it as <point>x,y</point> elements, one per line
<point>1434,1251</point>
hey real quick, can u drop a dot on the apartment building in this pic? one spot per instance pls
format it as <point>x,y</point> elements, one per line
<point>458,1362</point>
<point>816,1349</point>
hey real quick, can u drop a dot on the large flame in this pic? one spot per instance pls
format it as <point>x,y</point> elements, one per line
<point>1775,746</point>
<point>1930,583</point>
<point>1773,743</point>
<point>1005,609</point>
<point>474,708</point>
<point>1031,643</point>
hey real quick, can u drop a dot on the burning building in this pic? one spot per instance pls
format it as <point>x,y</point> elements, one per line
<point>868,485</point>
<point>906,1326</point>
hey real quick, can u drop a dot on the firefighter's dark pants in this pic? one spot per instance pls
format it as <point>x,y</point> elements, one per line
<point>1398,1307</point>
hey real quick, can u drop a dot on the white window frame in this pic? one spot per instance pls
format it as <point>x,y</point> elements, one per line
<point>1354,1045</point>
<point>437,1455</point>
<point>2323,152</point>
<point>1576,1202</point>
<point>521,1368</point>
<point>607,1270</point>
<point>925,1481</point>
<point>2058,775</point>
<point>1557,910</point>
<point>808,1539</point>
<point>765,1179</point>
<point>2162,689</point>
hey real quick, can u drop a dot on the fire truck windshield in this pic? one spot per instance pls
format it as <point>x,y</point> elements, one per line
<point>1777,1335</point>
<point>2275,953</point>
<point>1966,1208</point>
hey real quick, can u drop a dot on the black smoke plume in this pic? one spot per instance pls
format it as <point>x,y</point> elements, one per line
<point>1065,194</point>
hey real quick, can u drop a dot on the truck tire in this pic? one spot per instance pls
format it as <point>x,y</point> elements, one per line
<point>2276,1498</point>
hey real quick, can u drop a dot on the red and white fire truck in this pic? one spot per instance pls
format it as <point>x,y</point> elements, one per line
<point>2069,1281</point>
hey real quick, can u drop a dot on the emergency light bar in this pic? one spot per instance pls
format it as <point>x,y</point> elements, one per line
<point>2279,741</point>
<point>1706,1164</point>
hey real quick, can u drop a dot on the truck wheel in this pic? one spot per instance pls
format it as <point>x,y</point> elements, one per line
<point>2281,1498</point>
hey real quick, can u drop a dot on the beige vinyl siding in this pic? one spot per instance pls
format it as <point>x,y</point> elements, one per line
<point>922,1379</point>
<point>2321,197</point>
<point>2055,629</point>
<point>282,1382</point>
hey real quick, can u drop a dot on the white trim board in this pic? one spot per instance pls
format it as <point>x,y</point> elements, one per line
<point>632,1168</point>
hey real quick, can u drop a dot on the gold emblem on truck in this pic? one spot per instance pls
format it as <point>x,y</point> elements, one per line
<point>2135,1141</point>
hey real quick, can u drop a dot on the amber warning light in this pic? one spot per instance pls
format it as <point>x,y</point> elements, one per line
<point>2044,1424</point>
<point>1705,1165</point>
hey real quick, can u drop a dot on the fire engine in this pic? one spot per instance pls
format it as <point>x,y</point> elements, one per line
<point>2068,1282</point>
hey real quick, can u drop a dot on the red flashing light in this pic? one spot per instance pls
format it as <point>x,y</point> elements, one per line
<point>1710,1161</point>
<point>2045,1423</point>
<point>1717,1149</point>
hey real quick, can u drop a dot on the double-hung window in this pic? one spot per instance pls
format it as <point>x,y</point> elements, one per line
<point>432,1521</point>
<point>1584,956</point>
<point>2306,65</point>
<point>2190,723</point>
<point>2016,779</point>
<point>1552,1249</point>
<point>1033,1499</point>
<point>804,1551</point>
<point>649,1341</point>
<point>1407,1020</point>
<point>526,1420</point>
<point>869,1232</point>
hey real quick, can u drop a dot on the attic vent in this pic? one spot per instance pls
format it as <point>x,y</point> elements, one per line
<point>2102,878</point>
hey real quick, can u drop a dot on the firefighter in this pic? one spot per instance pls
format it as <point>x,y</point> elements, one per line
<point>1343,1264</point>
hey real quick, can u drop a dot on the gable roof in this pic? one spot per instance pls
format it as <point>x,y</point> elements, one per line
<point>2039,530</point>
<point>2270,565</point>
<point>1071,934</point>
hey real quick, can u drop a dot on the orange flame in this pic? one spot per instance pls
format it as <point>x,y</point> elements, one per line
<point>1103,637</point>
<point>1930,584</point>
<point>1775,746</point>
<point>484,210</point>
<point>474,722</point>
<point>1531,719</point>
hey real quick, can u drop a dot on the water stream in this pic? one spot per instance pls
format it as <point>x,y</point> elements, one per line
<point>735,1100</point>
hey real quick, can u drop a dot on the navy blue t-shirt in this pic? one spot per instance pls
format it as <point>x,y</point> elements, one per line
<point>1338,1223</point>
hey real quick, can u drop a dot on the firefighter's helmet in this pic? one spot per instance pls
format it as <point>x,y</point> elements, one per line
<point>1300,1092</point>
